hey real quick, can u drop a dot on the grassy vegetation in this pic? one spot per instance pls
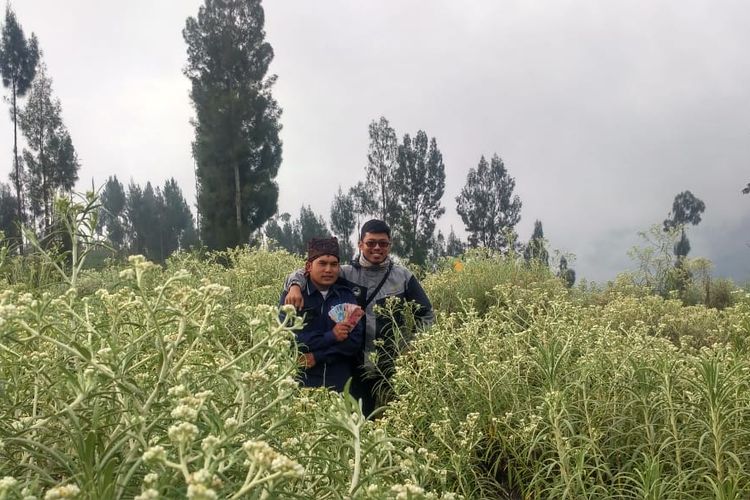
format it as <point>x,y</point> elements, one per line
<point>144,381</point>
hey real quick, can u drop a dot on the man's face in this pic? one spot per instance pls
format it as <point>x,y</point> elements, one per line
<point>323,271</point>
<point>375,247</point>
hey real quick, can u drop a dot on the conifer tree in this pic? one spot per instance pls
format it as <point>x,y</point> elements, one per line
<point>382,162</point>
<point>453,245</point>
<point>8,221</point>
<point>51,161</point>
<point>535,250</point>
<point>363,199</point>
<point>309,225</point>
<point>343,222</point>
<point>686,209</point>
<point>237,148</point>
<point>566,274</point>
<point>177,223</point>
<point>112,217</point>
<point>419,184</point>
<point>18,60</point>
<point>488,207</point>
<point>280,230</point>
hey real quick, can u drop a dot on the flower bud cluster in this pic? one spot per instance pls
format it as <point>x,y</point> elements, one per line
<point>6,484</point>
<point>264,456</point>
<point>155,454</point>
<point>66,491</point>
<point>148,494</point>
<point>183,433</point>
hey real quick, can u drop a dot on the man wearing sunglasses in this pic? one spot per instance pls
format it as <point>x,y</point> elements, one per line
<point>374,278</point>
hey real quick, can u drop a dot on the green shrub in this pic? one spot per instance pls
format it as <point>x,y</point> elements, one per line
<point>551,399</point>
<point>169,383</point>
<point>473,278</point>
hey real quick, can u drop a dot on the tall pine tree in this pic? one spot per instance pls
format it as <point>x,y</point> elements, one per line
<point>343,222</point>
<point>362,196</point>
<point>178,226</point>
<point>382,162</point>
<point>309,225</point>
<point>51,161</point>
<point>237,147</point>
<point>686,209</point>
<point>419,184</point>
<point>536,250</point>
<point>453,245</point>
<point>18,60</point>
<point>487,205</point>
<point>113,218</point>
<point>566,274</point>
<point>280,230</point>
<point>8,225</point>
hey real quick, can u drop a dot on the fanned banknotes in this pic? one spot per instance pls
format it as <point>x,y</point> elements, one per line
<point>346,313</point>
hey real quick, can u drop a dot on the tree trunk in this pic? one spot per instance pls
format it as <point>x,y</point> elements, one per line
<point>383,194</point>
<point>19,201</point>
<point>238,201</point>
<point>43,167</point>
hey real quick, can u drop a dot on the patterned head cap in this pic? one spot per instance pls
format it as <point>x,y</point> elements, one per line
<point>322,246</point>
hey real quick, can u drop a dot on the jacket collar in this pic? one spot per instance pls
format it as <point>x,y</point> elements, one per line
<point>362,262</point>
<point>311,288</point>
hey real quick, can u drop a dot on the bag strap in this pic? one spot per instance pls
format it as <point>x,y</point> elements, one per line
<point>377,289</point>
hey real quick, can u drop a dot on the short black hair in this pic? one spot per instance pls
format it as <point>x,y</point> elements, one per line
<point>374,226</point>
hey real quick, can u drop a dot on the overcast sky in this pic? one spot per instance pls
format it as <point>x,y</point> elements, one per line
<point>602,111</point>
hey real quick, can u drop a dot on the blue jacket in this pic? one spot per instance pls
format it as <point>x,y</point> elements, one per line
<point>363,278</point>
<point>333,360</point>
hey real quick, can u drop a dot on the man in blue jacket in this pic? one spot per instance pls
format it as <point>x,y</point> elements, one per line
<point>373,278</point>
<point>328,349</point>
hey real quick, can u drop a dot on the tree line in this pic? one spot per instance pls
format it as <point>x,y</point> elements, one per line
<point>153,222</point>
<point>404,183</point>
<point>237,152</point>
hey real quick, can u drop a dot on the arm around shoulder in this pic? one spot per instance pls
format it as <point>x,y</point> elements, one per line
<point>296,278</point>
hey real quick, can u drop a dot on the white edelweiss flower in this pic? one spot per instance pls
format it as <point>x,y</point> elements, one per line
<point>149,494</point>
<point>66,491</point>
<point>200,477</point>
<point>151,478</point>
<point>201,492</point>
<point>204,395</point>
<point>231,423</point>
<point>8,483</point>
<point>289,310</point>
<point>184,412</point>
<point>287,466</point>
<point>127,274</point>
<point>288,383</point>
<point>184,432</point>
<point>177,391</point>
<point>209,443</point>
<point>155,454</point>
<point>260,452</point>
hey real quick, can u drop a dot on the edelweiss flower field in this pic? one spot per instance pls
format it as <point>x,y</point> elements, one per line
<point>178,381</point>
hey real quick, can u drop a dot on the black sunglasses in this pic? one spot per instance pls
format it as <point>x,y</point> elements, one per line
<point>379,243</point>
